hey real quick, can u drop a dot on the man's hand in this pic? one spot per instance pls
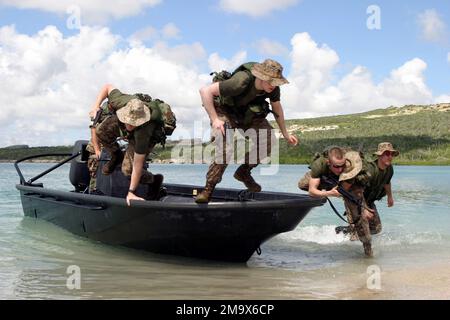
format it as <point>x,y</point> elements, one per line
<point>98,152</point>
<point>132,196</point>
<point>292,140</point>
<point>390,201</point>
<point>333,192</point>
<point>368,213</point>
<point>218,125</point>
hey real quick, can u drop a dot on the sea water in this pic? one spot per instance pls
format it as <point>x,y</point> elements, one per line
<point>411,255</point>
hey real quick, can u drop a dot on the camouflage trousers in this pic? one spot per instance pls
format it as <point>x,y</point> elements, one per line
<point>263,137</point>
<point>363,227</point>
<point>92,165</point>
<point>107,132</point>
<point>303,183</point>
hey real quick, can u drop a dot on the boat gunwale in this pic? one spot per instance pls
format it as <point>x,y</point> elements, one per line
<point>299,200</point>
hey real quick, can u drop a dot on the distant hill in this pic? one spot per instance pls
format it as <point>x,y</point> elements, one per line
<point>18,146</point>
<point>420,133</point>
<point>10,154</point>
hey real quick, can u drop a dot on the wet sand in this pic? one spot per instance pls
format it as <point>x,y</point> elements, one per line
<point>412,283</point>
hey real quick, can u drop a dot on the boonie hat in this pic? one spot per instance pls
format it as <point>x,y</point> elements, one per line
<point>353,166</point>
<point>270,71</point>
<point>386,146</point>
<point>135,113</point>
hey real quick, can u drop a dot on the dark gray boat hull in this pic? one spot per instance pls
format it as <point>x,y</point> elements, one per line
<point>230,228</point>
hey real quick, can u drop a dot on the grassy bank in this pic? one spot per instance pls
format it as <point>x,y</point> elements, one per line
<point>421,133</point>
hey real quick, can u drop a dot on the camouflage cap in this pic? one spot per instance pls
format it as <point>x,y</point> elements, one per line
<point>386,146</point>
<point>270,71</point>
<point>135,113</point>
<point>353,166</point>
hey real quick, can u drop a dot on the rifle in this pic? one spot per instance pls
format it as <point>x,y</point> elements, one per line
<point>104,109</point>
<point>96,119</point>
<point>345,194</point>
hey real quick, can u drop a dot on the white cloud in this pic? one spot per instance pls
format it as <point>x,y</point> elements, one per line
<point>216,63</point>
<point>48,87</point>
<point>270,48</point>
<point>49,81</point>
<point>407,84</point>
<point>445,98</point>
<point>432,26</point>
<point>255,8</point>
<point>170,30</point>
<point>185,54</point>
<point>448,57</point>
<point>311,68</point>
<point>92,11</point>
<point>313,92</point>
<point>145,34</point>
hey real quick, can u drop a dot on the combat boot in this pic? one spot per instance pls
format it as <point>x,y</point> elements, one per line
<point>205,195</point>
<point>368,250</point>
<point>110,165</point>
<point>243,174</point>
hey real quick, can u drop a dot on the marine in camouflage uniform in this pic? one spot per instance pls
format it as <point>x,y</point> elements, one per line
<point>362,220</point>
<point>240,103</point>
<point>137,122</point>
<point>372,184</point>
<point>141,140</point>
<point>378,184</point>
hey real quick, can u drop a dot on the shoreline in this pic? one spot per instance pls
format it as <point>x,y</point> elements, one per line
<point>30,161</point>
<point>175,162</point>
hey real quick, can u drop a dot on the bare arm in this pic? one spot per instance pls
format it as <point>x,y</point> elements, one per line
<point>102,95</point>
<point>95,143</point>
<point>138,163</point>
<point>390,198</point>
<point>207,95</point>
<point>278,109</point>
<point>315,192</point>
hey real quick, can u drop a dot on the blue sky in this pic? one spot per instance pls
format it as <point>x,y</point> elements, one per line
<point>406,61</point>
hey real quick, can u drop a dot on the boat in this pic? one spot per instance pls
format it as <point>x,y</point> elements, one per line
<point>231,227</point>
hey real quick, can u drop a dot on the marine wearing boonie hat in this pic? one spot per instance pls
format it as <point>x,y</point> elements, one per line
<point>135,113</point>
<point>386,146</point>
<point>270,71</point>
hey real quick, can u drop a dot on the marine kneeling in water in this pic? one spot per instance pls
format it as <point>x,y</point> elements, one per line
<point>140,124</point>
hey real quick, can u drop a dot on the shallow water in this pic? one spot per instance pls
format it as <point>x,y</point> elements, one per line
<point>412,253</point>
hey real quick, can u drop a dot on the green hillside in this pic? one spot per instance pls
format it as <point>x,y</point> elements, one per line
<point>15,153</point>
<point>420,133</point>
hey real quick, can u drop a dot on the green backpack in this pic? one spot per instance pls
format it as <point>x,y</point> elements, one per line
<point>167,118</point>
<point>225,75</point>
